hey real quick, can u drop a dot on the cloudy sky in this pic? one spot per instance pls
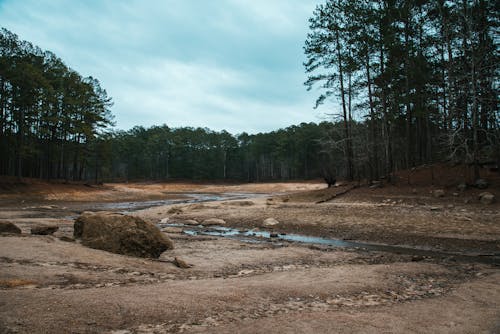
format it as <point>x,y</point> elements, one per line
<point>221,64</point>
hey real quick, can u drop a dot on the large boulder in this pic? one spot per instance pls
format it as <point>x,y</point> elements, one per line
<point>121,234</point>
<point>8,227</point>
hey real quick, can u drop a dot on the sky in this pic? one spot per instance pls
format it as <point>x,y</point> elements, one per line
<point>222,64</point>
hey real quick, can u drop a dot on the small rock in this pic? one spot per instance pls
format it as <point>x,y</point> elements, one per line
<point>44,229</point>
<point>191,222</point>
<point>486,198</point>
<point>438,193</point>
<point>455,194</point>
<point>414,191</point>
<point>213,221</point>
<point>481,184</point>
<point>8,227</point>
<point>181,263</point>
<point>270,222</point>
<point>66,239</point>
<point>450,206</point>
<point>435,208</point>
<point>462,187</point>
<point>273,235</point>
<point>164,221</point>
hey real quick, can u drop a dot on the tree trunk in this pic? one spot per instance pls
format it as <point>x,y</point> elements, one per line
<point>344,110</point>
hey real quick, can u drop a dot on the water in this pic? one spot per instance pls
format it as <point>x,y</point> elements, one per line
<point>189,198</point>
<point>267,236</point>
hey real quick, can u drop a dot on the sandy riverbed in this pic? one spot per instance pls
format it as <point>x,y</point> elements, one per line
<point>52,286</point>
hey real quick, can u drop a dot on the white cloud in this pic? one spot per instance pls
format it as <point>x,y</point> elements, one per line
<point>222,64</point>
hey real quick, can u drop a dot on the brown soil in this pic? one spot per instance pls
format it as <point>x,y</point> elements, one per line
<point>48,285</point>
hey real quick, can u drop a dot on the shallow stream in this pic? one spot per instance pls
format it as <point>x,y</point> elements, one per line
<point>259,235</point>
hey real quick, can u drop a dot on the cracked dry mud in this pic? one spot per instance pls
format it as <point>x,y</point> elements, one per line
<point>52,286</point>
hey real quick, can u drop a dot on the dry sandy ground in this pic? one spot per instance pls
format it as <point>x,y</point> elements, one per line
<point>51,286</point>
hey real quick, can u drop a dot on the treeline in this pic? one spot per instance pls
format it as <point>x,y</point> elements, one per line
<point>416,82</point>
<point>50,115</point>
<point>162,153</point>
<point>422,75</point>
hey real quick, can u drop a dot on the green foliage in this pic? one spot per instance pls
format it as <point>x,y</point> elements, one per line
<point>49,114</point>
<point>163,153</point>
<point>423,75</point>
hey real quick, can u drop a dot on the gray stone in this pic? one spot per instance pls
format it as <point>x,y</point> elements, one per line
<point>438,193</point>
<point>486,198</point>
<point>462,187</point>
<point>181,263</point>
<point>191,222</point>
<point>121,234</point>
<point>8,227</point>
<point>44,229</point>
<point>481,184</point>
<point>270,222</point>
<point>213,221</point>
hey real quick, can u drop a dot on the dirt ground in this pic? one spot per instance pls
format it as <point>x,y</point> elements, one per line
<point>49,284</point>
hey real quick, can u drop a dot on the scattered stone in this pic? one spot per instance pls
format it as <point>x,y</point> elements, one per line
<point>435,208</point>
<point>285,199</point>
<point>181,263</point>
<point>450,206</point>
<point>121,234</point>
<point>44,229</point>
<point>462,187</point>
<point>455,194</point>
<point>466,201</point>
<point>191,222</point>
<point>8,227</point>
<point>414,191</point>
<point>486,198</point>
<point>270,222</point>
<point>481,184</point>
<point>376,184</point>
<point>213,221</point>
<point>438,193</point>
<point>417,258</point>
<point>273,235</point>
